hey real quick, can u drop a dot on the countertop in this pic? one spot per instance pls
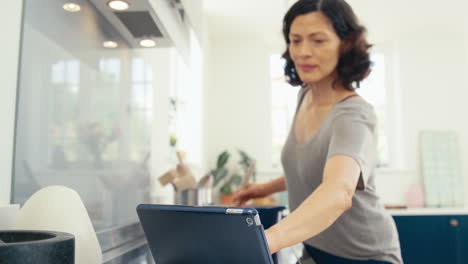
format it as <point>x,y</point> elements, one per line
<point>429,211</point>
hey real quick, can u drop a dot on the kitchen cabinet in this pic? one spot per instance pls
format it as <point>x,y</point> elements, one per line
<point>433,238</point>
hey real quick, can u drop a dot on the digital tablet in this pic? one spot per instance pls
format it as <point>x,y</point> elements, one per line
<point>189,234</point>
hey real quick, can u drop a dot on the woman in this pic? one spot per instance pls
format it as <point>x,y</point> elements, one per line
<point>330,156</point>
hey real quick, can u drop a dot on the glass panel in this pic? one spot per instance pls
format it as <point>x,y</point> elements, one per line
<point>84,113</point>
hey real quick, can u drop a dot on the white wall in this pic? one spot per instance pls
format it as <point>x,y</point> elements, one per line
<point>171,73</point>
<point>433,89</point>
<point>10,19</point>
<point>162,59</point>
<point>238,98</point>
<point>175,27</point>
<point>194,12</point>
<point>432,54</point>
<point>190,114</point>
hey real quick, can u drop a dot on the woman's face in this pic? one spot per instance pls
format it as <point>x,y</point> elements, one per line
<point>314,47</point>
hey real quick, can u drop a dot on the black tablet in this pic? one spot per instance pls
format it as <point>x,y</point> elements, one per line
<point>188,234</point>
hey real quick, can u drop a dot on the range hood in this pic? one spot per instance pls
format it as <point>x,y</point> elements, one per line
<point>141,21</point>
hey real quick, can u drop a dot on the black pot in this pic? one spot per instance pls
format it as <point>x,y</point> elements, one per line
<point>25,246</point>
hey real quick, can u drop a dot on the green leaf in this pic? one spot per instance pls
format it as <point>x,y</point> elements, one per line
<point>221,173</point>
<point>226,189</point>
<point>172,140</point>
<point>246,160</point>
<point>222,159</point>
<point>215,174</point>
<point>236,180</point>
<point>244,155</point>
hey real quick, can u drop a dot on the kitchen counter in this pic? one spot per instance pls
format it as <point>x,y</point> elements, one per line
<point>429,211</point>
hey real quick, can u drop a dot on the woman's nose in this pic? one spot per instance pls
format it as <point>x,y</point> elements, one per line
<point>305,50</point>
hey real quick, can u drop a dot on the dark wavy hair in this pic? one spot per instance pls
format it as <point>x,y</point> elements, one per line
<point>354,62</point>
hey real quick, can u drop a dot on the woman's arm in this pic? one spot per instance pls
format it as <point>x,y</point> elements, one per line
<point>258,190</point>
<point>321,209</point>
<point>276,185</point>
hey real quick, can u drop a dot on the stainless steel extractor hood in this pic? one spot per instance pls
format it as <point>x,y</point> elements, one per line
<point>138,22</point>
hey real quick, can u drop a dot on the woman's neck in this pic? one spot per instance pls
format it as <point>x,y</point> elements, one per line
<point>323,94</point>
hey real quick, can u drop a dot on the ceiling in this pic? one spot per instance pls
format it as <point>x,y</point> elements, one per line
<point>384,19</point>
<point>228,18</point>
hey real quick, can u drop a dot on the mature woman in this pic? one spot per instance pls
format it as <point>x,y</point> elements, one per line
<point>330,156</point>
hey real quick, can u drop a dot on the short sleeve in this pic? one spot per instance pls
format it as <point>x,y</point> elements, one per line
<point>353,135</point>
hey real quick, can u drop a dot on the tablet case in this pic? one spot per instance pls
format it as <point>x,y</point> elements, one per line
<point>188,234</point>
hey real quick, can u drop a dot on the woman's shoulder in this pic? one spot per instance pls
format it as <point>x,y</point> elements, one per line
<point>356,108</point>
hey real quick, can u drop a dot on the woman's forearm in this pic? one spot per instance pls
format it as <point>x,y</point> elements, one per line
<point>319,211</point>
<point>276,185</point>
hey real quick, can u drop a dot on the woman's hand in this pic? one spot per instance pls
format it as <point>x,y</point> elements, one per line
<point>251,191</point>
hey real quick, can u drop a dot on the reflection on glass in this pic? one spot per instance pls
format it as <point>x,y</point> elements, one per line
<point>84,114</point>
<point>118,5</point>
<point>71,7</point>
<point>110,44</point>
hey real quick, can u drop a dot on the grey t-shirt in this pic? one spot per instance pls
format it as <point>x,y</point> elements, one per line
<point>366,231</point>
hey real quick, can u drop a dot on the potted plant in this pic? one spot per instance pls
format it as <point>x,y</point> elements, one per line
<point>245,162</point>
<point>228,182</point>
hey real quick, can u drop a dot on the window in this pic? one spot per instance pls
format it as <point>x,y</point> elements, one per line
<point>141,108</point>
<point>381,90</point>
<point>64,90</point>
<point>284,99</point>
<point>373,89</point>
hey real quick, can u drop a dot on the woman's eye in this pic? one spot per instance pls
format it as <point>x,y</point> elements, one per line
<point>319,41</point>
<point>295,41</point>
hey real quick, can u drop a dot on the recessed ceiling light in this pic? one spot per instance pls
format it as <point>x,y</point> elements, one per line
<point>71,7</point>
<point>110,44</point>
<point>147,43</point>
<point>118,5</point>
